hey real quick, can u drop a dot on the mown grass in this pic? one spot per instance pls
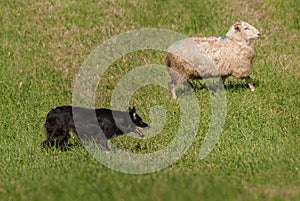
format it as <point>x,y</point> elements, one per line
<point>42,48</point>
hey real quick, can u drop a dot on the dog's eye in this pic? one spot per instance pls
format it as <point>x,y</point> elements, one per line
<point>134,116</point>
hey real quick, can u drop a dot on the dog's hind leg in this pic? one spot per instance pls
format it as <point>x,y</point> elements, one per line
<point>62,141</point>
<point>56,137</point>
<point>49,142</point>
<point>46,143</point>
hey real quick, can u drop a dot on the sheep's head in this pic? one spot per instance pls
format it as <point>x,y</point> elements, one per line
<point>242,31</point>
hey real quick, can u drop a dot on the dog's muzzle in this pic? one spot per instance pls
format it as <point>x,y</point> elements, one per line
<point>139,131</point>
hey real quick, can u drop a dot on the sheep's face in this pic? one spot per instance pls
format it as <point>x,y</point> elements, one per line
<point>243,31</point>
<point>250,31</point>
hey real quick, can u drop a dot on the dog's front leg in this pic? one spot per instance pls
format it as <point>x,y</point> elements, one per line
<point>102,141</point>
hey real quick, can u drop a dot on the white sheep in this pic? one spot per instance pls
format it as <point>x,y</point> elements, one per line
<point>198,58</point>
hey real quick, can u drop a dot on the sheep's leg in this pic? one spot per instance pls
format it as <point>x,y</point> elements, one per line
<point>250,83</point>
<point>189,85</point>
<point>216,85</point>
<point>172,89</point>
<point>223,79</point>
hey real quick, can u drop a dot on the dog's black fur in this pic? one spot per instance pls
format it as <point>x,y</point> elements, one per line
<point>98,125</point>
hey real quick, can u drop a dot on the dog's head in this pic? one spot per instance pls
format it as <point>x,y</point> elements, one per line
<point>138,122</point>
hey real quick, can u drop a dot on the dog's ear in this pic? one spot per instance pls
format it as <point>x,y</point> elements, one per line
<point>133,113</point>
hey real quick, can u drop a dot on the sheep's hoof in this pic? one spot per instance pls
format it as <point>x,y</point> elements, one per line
<point>173,94</point>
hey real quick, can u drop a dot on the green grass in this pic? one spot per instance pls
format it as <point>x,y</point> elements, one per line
<point>42,48</point>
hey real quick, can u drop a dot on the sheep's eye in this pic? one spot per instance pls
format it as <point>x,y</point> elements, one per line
<point>246,28</point>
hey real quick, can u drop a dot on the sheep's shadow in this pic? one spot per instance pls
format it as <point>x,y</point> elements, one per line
<point>235,85</point>
<point>199,85</point>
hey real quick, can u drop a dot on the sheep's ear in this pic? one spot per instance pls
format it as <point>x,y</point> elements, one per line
<point>237,25</point>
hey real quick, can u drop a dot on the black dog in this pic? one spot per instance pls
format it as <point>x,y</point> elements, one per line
<point>97,125</point>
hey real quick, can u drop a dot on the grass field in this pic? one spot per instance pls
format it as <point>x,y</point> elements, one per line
<point>42,48</point>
